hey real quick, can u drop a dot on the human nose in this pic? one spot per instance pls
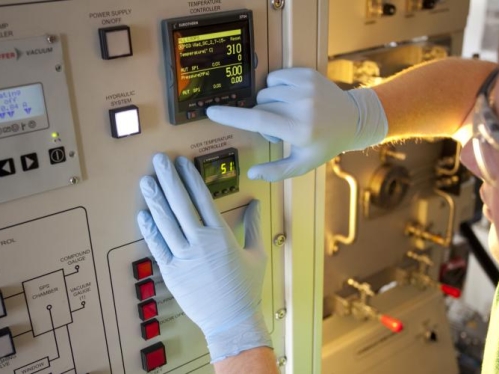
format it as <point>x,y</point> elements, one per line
<point>469,160</point>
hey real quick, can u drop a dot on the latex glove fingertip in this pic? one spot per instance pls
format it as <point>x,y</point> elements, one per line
<point>148,185</point>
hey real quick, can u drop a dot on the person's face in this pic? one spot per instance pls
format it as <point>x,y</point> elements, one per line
<point>488,193</point>
<point>489,196</point>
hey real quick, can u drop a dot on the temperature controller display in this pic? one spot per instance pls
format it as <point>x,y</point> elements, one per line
<point>209,60</point>
<point>220,171</point>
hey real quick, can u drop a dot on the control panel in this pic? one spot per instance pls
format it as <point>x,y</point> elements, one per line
<point>89,92</point>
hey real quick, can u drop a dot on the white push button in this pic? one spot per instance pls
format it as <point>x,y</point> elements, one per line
<point>115,42</point>
<point>6,343</point>
<point>125,121</point>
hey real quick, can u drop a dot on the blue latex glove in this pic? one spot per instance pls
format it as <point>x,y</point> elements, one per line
<point>216,283</point>
<point>318,119</point>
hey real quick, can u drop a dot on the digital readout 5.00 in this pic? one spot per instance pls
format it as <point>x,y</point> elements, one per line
<point>211,62</point>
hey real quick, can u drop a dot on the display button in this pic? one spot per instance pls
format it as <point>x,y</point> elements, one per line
<point>148,309</point>
<point>191,114</point>
<point>150,329</point>
<point>115,42</point>
<point>153,357</point>
<point>145,289</point>
<point>29,162</point>
<point>6,343</point>
<point>3,311</point>
<point>7,167</point>
<point>142,268</point>
<point>57,155</point>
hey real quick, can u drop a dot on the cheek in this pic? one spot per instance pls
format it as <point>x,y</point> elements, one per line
<point>490,198</point>
<point>494,242</point>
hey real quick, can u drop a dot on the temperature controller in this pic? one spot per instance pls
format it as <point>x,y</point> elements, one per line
<point>220,171</point>
<point>209,60</point>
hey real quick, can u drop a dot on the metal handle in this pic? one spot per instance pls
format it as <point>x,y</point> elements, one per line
<point>455,163</point>
<point>352,221</point>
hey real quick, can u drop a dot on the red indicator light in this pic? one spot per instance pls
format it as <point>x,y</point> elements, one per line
<point>145,289</point>
<point>150,329</point>
<point>451,291</point>
<point>148,310</point>
<point>142,268</point>
<point>153,357</point>
<point>391,323</point>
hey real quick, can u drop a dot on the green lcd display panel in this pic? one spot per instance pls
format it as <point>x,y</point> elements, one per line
<point>209,60</point>
<point>220,171</point>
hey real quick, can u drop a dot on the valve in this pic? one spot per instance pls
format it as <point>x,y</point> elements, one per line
<point>380,8</point>
<point>450,291</point>
<point>362,309</point>
<point>391,323</point>
<point>420,277</point>
<point>429,4</point>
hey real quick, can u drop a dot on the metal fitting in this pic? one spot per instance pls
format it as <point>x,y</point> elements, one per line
<point>51,39</point>
<point>279,240</point>
<point>278,4</point>
<point>280,314</point>
<point>281,361</point>
<point>74,180</point>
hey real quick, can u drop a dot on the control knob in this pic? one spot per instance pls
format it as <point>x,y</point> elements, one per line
<point>429,4</point>
<point>389,9</point>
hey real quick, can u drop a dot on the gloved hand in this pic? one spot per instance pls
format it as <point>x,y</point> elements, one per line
<point>216,283</point>
<point>318,119</point>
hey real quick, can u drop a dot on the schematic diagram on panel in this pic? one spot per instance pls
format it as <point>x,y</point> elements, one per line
<point>49,307</point>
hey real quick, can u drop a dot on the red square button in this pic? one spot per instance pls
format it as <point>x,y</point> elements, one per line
<point>153,357</point>
<point>150,329</point>
<point>148,309</point>
<point>145,289</point>
<point>142,268</point>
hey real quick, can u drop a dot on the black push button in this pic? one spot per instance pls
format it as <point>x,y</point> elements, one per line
<point>57,155</point>
<point>7,167</point>
<point>29,162</point>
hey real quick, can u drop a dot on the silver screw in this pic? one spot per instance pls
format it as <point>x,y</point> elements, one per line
<point>51,39</point>
<point>74,180</point>
<point>279,240</point>
<point>71,154</point>
<point>278,4</point>
<point>280,314</point>
<point>281,361</point>
<point>58,68</point>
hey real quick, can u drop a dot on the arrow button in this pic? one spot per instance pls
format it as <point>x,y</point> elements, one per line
<point>30,162</point>
<point>7,167</point>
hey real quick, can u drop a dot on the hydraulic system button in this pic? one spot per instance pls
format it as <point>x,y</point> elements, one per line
<point>142,268</point>
<point>145,289</point>
<point>115,42</point>
<point>150,329</point>
<point>3,311</point>
<point>153,357</point>
<point>148,309</point>
<point>125,121</point>
<point>6,343</point>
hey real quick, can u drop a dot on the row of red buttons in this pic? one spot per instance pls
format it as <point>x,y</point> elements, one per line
<point>153,356</point>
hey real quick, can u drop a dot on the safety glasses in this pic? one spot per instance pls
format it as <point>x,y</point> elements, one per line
<point>486,133</point>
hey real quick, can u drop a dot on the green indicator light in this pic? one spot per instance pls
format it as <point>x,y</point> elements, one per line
<point>55,135</point>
